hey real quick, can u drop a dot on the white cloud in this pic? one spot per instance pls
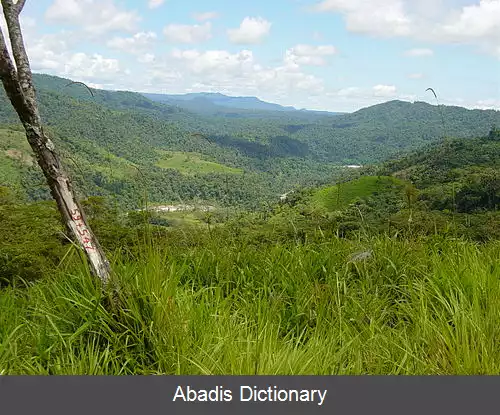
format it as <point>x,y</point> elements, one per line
<point>138,43</point>
<point>47,51</point>
<point>251,31</point>
<point>96,17</point>
<point>384,90</point>
<point>475,21</point>
<point>56,54</point>
<point>240,73</point>
<point>309,55</point>
<point>79,65</point>
<point>215,61</point>
<point>416,76</point>
<point>416,53</point>
<point>477,24</point>
<point>438,21</point>
<point>153,4</point>
<point>201,17</point>
<point>381,18</point>
<point>177,33</point>
<point>377,91</point>
<point>93,66</point>
<point>487,104</point>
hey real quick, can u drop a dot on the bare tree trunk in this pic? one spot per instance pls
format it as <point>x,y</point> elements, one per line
<point>18,84</point>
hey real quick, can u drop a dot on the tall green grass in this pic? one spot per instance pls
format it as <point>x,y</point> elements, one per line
<point>429,306</point>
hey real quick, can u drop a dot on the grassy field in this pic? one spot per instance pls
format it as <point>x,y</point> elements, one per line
<point>217,305</point>
<point>191,163</point>
<point>339,196</point>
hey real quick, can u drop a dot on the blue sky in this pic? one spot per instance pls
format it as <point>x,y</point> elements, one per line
<point>337,55</point>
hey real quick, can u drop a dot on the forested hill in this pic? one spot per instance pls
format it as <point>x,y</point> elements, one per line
<point>457,175</point>
<point>369,135</point>
<point>121,142</point>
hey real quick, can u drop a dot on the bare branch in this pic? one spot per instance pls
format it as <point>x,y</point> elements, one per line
<point>19,6</point>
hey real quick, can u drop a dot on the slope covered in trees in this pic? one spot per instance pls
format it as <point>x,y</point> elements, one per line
<point>451,188</point>
<point>114,142</point>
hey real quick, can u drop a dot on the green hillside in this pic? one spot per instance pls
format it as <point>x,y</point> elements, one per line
<point>111,141</point>
<point>191,163</point>
<point>459,175</point>
<point>15,155</point>
<point>341,195</point>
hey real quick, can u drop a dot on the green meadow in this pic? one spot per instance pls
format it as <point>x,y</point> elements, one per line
<point>192,163</point>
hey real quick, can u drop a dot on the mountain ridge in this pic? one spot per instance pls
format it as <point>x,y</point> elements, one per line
<point>209,99</point>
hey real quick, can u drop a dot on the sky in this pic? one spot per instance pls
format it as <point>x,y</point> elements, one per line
<point>334,55</point>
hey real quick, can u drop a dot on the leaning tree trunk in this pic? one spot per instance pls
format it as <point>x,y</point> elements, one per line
<point>18,84</point>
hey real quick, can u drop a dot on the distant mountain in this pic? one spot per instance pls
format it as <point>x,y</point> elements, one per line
<point>246,103</point>
<point>217,102</point>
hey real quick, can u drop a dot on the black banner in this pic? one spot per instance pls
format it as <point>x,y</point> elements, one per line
<point>261,395</point>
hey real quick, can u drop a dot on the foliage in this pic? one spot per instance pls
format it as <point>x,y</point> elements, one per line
<point>111,144</point>
<point>190,163</point>
<point>212,305</point>
<point>32,241</point>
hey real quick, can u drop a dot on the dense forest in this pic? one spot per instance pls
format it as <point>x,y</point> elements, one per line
<point>116,143</point>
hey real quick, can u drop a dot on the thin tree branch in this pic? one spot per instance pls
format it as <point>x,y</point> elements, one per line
<point>19,6</point>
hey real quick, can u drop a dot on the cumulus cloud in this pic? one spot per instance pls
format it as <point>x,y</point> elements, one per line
<point>239,72</point>
<point>215,61</point>
<point>417,53</point>
<point>381,18</point>
<point>477,24</point>
<point>177,33</point>
<point>78,65</point>
<point>475,21</point>
<point>252,30</point>
<point>57,53</point>
<point>136,44</point>
<point>201,17</point>
<point>437,21</point>
<point>94,16</point>
<point>309,55</point>
<point>93,66</point>
<point>377,91</point>
<point>384,90</point>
